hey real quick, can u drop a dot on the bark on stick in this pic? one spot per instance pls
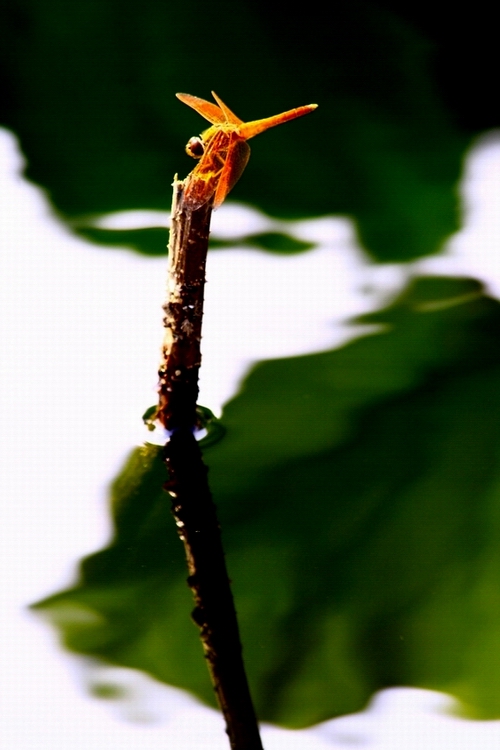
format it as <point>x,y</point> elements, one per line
<point>192,504</point>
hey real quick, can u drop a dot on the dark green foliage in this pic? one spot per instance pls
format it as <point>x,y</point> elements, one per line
<point>276,242</point>
<point>358,492</point>
<point>89,87</point>
<point>151,241</point>
<point>154,241</point>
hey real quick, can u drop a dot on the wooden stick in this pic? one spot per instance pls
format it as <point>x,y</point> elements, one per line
<point>192,504</point>
<point>181,355</point>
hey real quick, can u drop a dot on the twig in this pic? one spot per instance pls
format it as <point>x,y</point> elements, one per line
<point>192,503</point>
<point>181,356</point>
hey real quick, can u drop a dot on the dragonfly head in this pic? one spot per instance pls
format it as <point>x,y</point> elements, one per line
<point>195,148</point>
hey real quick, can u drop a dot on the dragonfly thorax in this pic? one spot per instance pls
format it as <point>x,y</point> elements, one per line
<point>195,147</point>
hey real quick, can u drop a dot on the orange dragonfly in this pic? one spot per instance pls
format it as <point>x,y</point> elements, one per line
<point>222,149</point>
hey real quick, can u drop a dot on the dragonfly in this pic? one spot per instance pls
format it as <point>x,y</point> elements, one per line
<point>222,149</point>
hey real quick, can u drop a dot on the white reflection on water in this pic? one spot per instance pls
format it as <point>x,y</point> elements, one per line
<point>80,335</point>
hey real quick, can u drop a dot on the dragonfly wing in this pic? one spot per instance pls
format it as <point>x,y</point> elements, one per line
<point>237,158</point>
<point>230,116</point>
<point>209,111</point>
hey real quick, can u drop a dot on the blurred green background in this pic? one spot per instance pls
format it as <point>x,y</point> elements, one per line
<point>358,488</point>
<point>89,88</point>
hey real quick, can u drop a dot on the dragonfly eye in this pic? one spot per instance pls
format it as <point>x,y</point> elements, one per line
<point>195,148</point>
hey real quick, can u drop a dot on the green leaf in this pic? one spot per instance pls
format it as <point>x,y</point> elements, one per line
<point>154,241</point>
<point>277,242</point>
<point>151,241</point>
<point>90,91</point>
<point>359,497</point>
